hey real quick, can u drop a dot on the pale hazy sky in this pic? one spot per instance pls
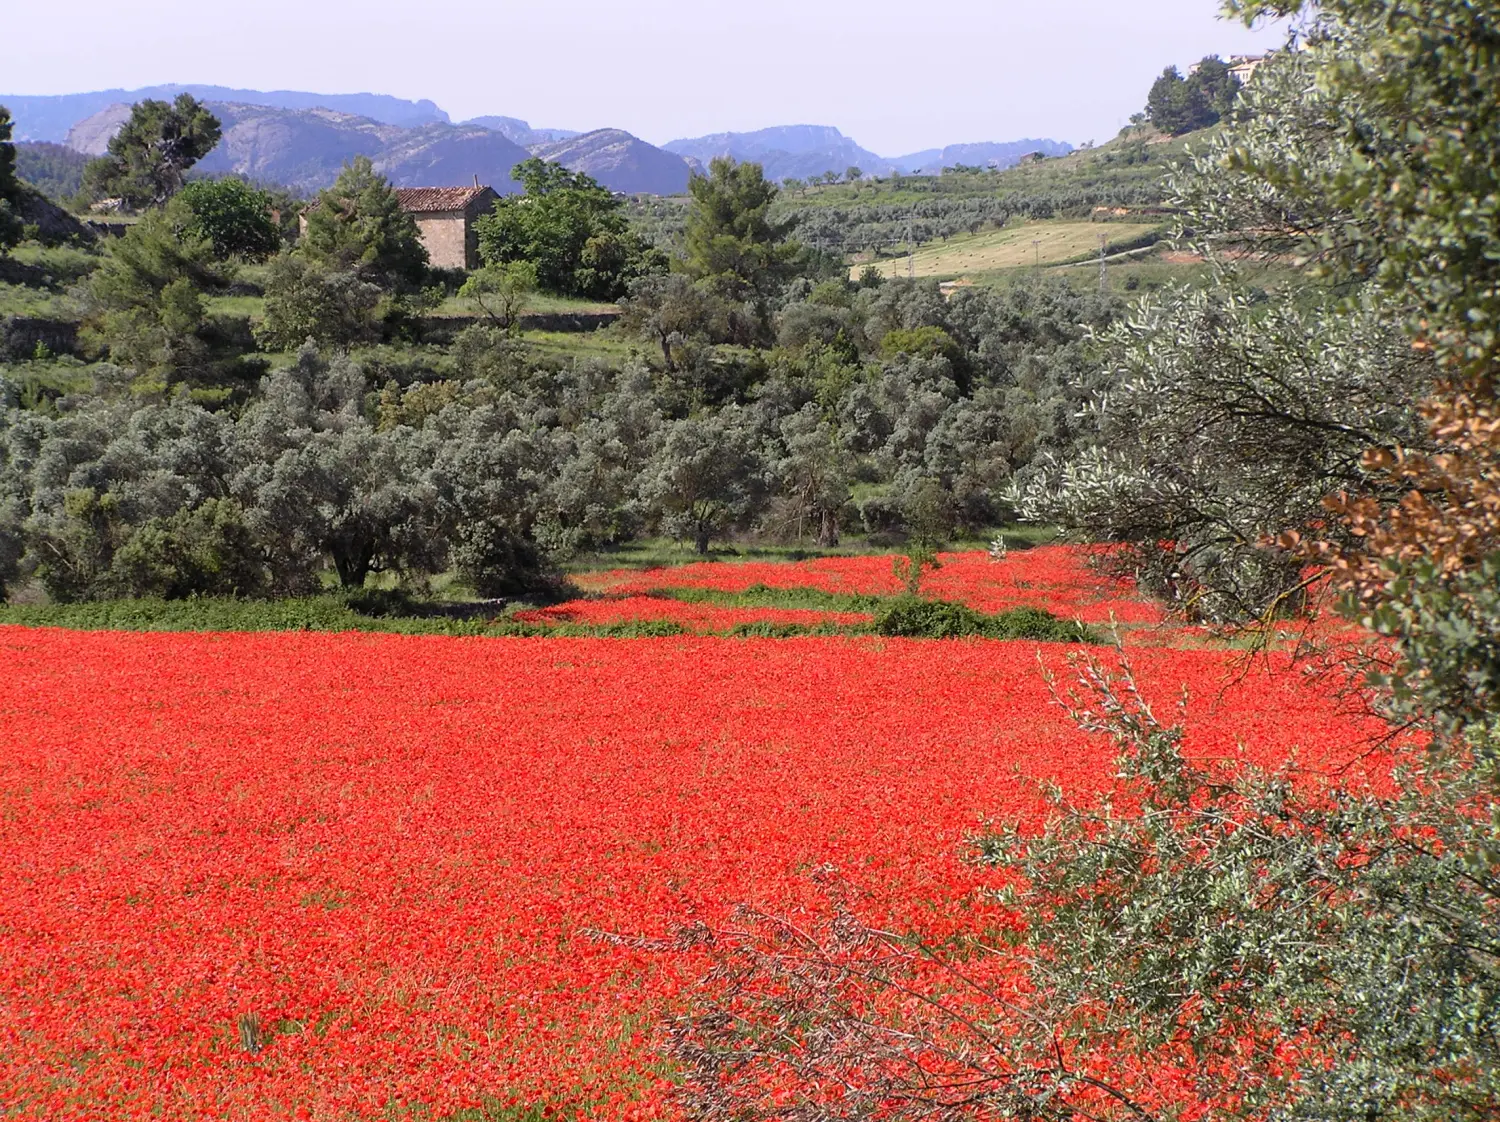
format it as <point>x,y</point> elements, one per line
<point>895,76</point>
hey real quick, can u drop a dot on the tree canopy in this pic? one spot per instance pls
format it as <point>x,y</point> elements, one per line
<point>1177,104</point>
<point>234,216</point>
<point>10,186</point>
<point>144,303</point>
<point>573,231</point>
<point>358,226</point>
<point>732,242</point>
<point>148,158</point>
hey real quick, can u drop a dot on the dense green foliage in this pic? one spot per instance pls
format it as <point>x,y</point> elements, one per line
<point>144,303</point>
<point>482,461</point>
<point>1401,103</point>
<point>53,169</point>
<point>1177,105</point>
<point>1227,421</point>
<point>10,224</point>
<point>148,158</point>
<point>307,301</point>
<point>912,617</point>
<point>234,216</point>
<point>572,230</point>
<point>732,243</point>
<point>357,226</point>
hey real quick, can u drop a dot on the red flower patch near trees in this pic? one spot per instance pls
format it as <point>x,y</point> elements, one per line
<point>694,617</point>
<point>281,875</point>
<point>1058,579</point>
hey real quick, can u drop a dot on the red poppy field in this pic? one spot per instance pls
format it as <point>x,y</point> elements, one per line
<point>1057,579</point>
<point>388,850</point>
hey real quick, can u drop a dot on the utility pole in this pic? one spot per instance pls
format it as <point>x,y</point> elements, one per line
<point>1036,244</point>
<point>911,251</point>
<point>1103,268</point>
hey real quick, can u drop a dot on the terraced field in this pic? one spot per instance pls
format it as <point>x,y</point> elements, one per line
<point>1017,246</point>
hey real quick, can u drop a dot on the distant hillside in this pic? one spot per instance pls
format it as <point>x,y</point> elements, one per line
<point>787,152</point>
<point>304,148</point>
<point>989,154</point>
<point>620,161</point>
<point>522,132</point>
<point>1118,182</point>
<point>50,117</point>
<point>807,151</point>
<point>53,169</point>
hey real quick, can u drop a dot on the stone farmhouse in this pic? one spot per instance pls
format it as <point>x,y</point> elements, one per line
<point>1241,66</point>
<point>445,219</point>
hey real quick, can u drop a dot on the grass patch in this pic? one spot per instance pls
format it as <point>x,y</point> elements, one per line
<point>602,344</point>
<point>40,382</point>
<point>1015,246</point>
<point>665,553</point>
<point>539,304</point>
<point>895,616</point>
<point>333,613</point>
<point>236,307</point>
<point>763,596</point>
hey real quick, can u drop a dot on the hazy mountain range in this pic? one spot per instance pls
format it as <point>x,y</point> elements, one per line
<point>805,151</point>
<point>301,140</point>
<point>522,132</point>
<point>50,117</point>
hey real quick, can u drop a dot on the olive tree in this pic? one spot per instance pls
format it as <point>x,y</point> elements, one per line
<point>1226,423</point>
<point>814,473</point>
<point>703,477</point>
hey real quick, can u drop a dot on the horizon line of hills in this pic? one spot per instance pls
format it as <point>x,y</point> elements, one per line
<point>301,140</point>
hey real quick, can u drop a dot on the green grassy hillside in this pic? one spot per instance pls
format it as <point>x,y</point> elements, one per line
<point>1022,245</point>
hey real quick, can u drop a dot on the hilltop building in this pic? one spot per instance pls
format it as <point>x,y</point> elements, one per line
<point>1241,66</point>
<point>445,219</point>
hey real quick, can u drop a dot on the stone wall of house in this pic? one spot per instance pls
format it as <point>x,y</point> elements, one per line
<point>447,238</point>
<point>477,209</point>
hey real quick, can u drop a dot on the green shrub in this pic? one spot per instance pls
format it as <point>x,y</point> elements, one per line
<point>909,617</point>
<point>765,629</point>
<point>208,551</point>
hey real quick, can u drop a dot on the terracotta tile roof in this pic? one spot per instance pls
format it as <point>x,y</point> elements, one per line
<point>427,200</point>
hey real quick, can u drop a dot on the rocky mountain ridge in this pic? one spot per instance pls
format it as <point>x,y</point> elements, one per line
<point>49,117</point>
<point>988,154</point>
<point>809,151</point>
<point>620,161</point>
<point>787,151</point>
<point>301,140</point>
<point>303,149</point>
<point>521,131</point>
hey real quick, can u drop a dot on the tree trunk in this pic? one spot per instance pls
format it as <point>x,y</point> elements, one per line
<point>828,529</point>
<point>353,566</point>
<point>701,541</point>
